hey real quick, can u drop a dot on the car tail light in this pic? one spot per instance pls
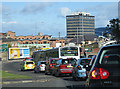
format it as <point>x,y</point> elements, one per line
<point>51,65</point>
<point>89,59</point>
<point>26,65</point>
<point>79,67</point>
<point>99,73</point>
<point>40,65</point>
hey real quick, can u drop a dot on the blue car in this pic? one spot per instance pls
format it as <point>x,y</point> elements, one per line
<point>79,69</point>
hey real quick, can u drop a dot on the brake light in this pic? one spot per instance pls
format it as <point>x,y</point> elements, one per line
<point>79,67</point>
<point>99,73</point>
<point>26,65</point>
<point>40,65</point>
<point>89,59</point>
<point>51,65</point>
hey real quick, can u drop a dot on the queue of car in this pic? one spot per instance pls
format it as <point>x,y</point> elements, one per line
<point>101,70</point>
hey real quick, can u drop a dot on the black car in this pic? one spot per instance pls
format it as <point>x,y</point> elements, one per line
<point>105,71</point>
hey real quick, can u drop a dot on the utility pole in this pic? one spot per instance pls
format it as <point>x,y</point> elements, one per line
<point>36,28</point>
<point>59,35</point>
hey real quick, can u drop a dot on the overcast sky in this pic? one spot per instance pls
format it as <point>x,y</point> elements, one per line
<point>27,18</point>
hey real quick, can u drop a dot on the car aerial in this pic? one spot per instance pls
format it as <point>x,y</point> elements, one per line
<point>49,65</point>
<point>105,71</point>
<point>28,59</point>
<point>79,69</point>
<point>63,66</point>
<point>39,66</point>
<point>27,65</point>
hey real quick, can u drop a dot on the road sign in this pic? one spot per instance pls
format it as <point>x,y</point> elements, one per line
<point>3,47</point>
<point>88,49</point>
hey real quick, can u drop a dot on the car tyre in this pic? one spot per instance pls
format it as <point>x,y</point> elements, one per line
<point>46,72</point>
<point>53,73</point>
<point>57,74</point>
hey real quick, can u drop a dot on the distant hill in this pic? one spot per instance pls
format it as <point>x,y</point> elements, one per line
<point>99,31</point>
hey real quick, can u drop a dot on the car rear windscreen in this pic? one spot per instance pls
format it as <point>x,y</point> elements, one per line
<point>110,56</point>
<point>68,61</point>
<point>29,62</point>
<point>85,61</point>
<point>43,62</point>
<point>53,61</point>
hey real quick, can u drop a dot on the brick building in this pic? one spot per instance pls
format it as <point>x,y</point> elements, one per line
<point>37,40</point>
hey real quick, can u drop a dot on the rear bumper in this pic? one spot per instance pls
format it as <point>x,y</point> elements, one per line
<point>109,84</point>
<point>42,69</point>
<point>81,73</point>
<point>65,71</point>
<point>29,68</point>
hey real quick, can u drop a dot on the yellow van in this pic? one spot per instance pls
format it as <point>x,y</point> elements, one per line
<point>27,65</point>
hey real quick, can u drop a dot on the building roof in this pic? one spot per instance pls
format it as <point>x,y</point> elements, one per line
<point>7,39</point>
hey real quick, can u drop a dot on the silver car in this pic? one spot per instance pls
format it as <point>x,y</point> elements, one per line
<point>39,66</point>
<point>79,69</point>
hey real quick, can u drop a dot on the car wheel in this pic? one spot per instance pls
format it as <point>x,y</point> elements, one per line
<point>57,74</point>
<point>46,72</point>
<point>35,71</point>
<point>74,77</point>
<point>22,69</point>
<point>52,73</point>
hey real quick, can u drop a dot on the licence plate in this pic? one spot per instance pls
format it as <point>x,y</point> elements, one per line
<point>69,66</point>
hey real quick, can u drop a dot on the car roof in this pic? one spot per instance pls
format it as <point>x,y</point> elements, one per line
<point>54,58</point>
<point>29,61</point>
<point>41,61</point>
<point>111,45</point>
<point>84,58</point>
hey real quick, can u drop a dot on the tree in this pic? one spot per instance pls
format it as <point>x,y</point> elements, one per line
<point>114,26</point>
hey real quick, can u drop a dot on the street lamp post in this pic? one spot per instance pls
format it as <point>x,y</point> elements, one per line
<point>83,31</point>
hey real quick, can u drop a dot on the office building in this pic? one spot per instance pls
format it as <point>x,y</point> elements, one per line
<point>79,24</point>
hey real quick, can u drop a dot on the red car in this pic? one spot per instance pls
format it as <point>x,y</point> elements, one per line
<point>63,66</point>
<point>28,59</point>
<point>49,65</point>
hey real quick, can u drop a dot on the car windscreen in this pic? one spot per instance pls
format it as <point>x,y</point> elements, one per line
<point>68,61</point>
<point>85,61</point>
<point>110,56</point>
<point>29,63</point>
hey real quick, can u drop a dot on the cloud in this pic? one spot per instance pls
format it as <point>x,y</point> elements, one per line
<point>103,13</point>
<point>11,22</point>
<point>35,8</point>
<point>64,11</point>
